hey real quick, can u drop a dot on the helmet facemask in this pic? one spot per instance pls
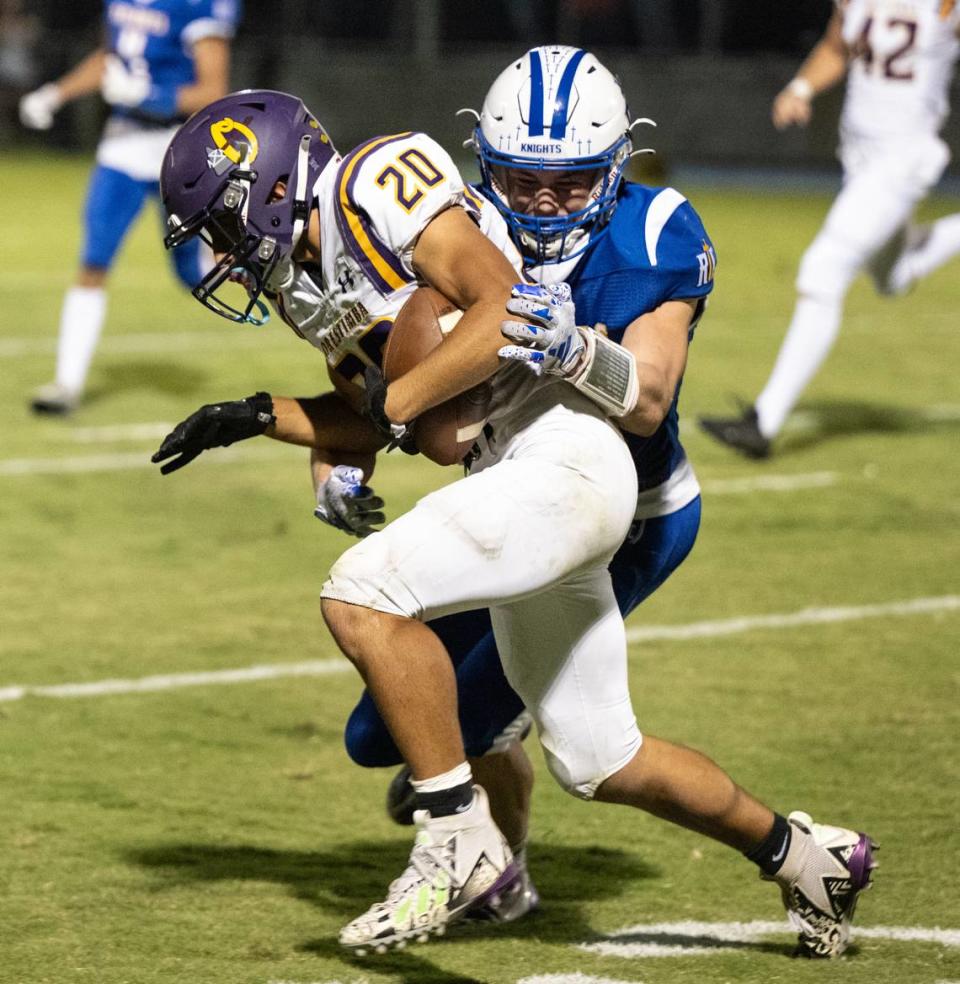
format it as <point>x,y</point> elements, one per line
<point>556,109</point>
<point>553,238</point>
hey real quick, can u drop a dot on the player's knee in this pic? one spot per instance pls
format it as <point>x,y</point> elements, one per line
<point>365,578</point>
<point>367,739</point>
<point>827,269</point>
<point>577,781</point>
<point>587,756</point>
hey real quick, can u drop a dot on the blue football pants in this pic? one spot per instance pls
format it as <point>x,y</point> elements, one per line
<point>114,200</point>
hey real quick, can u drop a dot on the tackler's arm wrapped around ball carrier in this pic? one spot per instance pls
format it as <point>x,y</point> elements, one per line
<point>633,382</point>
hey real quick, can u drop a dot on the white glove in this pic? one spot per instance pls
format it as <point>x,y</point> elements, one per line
<point>554,344</point>
<point>345,503</point>
<point>122,85</point>
<point>37,107</point>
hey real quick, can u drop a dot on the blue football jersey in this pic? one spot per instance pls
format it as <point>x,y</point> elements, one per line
<point>158,36</point>
<point>655,250</point>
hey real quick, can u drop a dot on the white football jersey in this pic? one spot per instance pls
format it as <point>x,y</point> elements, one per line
<point>904,53</point>
<point>373,206</point>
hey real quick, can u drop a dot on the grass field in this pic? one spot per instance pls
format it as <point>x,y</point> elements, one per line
<point>215,834</point>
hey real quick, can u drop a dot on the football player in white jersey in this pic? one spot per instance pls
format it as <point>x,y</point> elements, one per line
<point>899,58</point>
<point>338,245</point>
<point>158,63</point>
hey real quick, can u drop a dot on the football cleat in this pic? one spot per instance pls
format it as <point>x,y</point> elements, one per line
<point>740,433</point>
<point>54,399</point>
<point>512,903</point>
<point>458,863</point>
<point>401,798</point>
<point>825,871</point>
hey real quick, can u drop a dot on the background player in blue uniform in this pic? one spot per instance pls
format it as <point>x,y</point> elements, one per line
<point>160,62</point>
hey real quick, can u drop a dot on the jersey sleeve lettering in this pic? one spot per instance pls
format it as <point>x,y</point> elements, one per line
<point>388,190</point>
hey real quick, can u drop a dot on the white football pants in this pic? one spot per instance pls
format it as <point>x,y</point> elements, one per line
<point>883,183</point>
<point>528,534</point>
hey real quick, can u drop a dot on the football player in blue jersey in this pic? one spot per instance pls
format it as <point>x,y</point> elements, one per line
<point>160,61</point>
<point>553,139</point>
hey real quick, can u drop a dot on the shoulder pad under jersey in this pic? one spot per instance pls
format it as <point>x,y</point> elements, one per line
<point>387,191</point>
<point>677,245</point>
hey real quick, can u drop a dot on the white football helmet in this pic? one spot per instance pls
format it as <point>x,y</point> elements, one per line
<point>556,108</point>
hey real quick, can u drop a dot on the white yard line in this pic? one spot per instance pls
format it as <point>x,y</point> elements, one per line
<point>119,432</point>
<point>807,420</point>
<point>143,343</point>
<point>327,667</point>
<point>807,616</point>
<point>572,979</point>
<point>175,681</point>
<point>769,483</point>
<point>126,460</point>
<point>684,939</point>
<point>353,980</point>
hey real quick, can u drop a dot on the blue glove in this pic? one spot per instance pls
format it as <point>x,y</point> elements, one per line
<point>345,503</point>
<point>553,344</point>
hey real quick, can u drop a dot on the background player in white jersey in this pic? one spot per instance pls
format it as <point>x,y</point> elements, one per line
<point>158,63</point>
<point>528,533</point>
<point>899,56</point>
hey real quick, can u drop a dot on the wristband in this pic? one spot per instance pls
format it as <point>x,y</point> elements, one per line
<point>262,406</point>
<point>801,88</point>
<point>607,374</point>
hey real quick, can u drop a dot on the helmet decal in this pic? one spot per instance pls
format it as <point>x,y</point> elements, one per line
<point>237,151</point>
<point>535,126</point>
<point>559,125</point>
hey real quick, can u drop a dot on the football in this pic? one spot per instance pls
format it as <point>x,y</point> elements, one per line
<point>446,432</point>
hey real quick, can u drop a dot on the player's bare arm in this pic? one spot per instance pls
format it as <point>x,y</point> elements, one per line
<point>324,421</point>
<point>211,59</point>
<point>38,108</point>
<point>658,342</point>
<point>823,68</point>
<point>454,257</point>
<point>83,79</point>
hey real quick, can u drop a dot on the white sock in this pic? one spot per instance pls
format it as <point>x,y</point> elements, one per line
<point>446,780</point>
<point>81,318</point>
<point>811,335</point>
<point>941,244</point>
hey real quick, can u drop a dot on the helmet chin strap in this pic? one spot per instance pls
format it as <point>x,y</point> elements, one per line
<point>301,209</point>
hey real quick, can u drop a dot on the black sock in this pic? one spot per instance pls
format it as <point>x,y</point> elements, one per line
<point>771,852</point>
<point>445,802</point>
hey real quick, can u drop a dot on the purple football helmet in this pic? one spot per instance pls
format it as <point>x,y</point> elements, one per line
<point>218,182</point>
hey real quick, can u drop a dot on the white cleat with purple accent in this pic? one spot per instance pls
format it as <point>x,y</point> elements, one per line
<point>825,871</point>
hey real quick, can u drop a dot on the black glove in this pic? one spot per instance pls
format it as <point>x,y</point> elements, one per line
<point>374,398</point>
<point>217,425</point>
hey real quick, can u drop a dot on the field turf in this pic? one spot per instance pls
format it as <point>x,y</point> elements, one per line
<point>217,834</point>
